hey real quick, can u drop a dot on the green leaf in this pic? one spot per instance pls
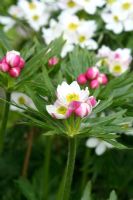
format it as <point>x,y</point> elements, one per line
<point>113,196</point>
<point>102,105</point>
<point>87,192</point>
<point>4,41</point>
<point>26,189</point>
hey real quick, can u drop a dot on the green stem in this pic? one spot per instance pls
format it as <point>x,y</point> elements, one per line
<point>4,121</point>
<point>69,169</point>
<point>46,168</point>
<point>84,179</point>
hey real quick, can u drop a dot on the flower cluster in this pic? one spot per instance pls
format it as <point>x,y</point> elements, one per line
<point>71,100</point>
<point>118,15</point>
<point>12,63</point>
<point>36,13</point>
<point>73,6</point>
<point>74,30</point>
<point>117,61</point>
<point>94,77</point>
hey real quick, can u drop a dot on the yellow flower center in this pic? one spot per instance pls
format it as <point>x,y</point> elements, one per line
<point>72,97</point>
<point>62,110</point>
<point>125,126</point>
<point>104,62</point>
<point>73,26</point>
<point>116,18</point>
<point>117,69</point>
<point>111,1</point>
<point>35,17</point>
<point>21,100</point>
<point>82,38</point>
<point>71,4</point>
<point>126,5</point>
<point>32,6</point>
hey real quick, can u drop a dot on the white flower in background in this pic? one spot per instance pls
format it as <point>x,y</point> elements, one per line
<point>16,11</point>
<point>71,6</point>
<point>67,48</point>
<point>73,30</point>
<point>22,100</point>
<point>53,32</point>
<point>118,15</point>
<point>99,145</point>
<point>124,7</point>
<point>113,22</point>
<point>90,6</point>
<point>117,61</point>
<point>36,13</point>
<point>7,22</point>
<point>84,34</point>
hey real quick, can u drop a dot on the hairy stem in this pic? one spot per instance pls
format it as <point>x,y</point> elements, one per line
<point>69,169</point>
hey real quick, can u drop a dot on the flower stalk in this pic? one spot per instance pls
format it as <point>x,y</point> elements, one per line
<point>69,169</point>
<point>4,120</point>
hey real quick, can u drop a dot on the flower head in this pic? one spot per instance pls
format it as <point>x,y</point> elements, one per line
<point>70,99</point>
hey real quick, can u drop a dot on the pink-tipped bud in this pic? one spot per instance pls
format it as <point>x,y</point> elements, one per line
<point>94,84</point>
<point>13,58</point>
<point>83,110</point>
<point>21,63</point>
<point>102,79</point>
<point>53,61</point>
<point>82,79</point>
<point>4,67</point>
<point>3,59</point>
<point>92,100</point>
<point>92,73</point>
<point>14,72</point>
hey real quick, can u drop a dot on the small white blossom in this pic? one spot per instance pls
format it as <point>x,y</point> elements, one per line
<point>21,100</point>
<point>99,145</point>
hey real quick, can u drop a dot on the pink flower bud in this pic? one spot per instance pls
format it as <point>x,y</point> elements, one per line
<point>13,58</point>
<point>102,79</point>
<point>14,72</point>
<point>53,61</point>
<point>21,63</point>
<point>82,79</point>
<point>92,73</point>
<point>83,110</point>
<point>4,67</point>
<point>3,59</point>
<point>92,100</point>
<point>94,84</point>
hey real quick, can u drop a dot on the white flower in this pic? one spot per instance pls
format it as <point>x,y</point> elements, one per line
<point>68,93</point>
<point>67,48</point>
<point>71,6</point>
<point>90,6</point>
<point>54,31</point>
<point>118,61</point>
<point>84,34</point>
<point>118,15</point>
<point>8,22</point>
<point>113,22</point>
<point>99,145</point>
<point>35,12</point>
<point>70,99</point>
<point>73,30</point>
<point>22,100</point>
<point>16,11</point>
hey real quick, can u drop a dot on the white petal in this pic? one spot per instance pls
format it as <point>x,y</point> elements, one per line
<point>100,149</point>
<point>92,142</point>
